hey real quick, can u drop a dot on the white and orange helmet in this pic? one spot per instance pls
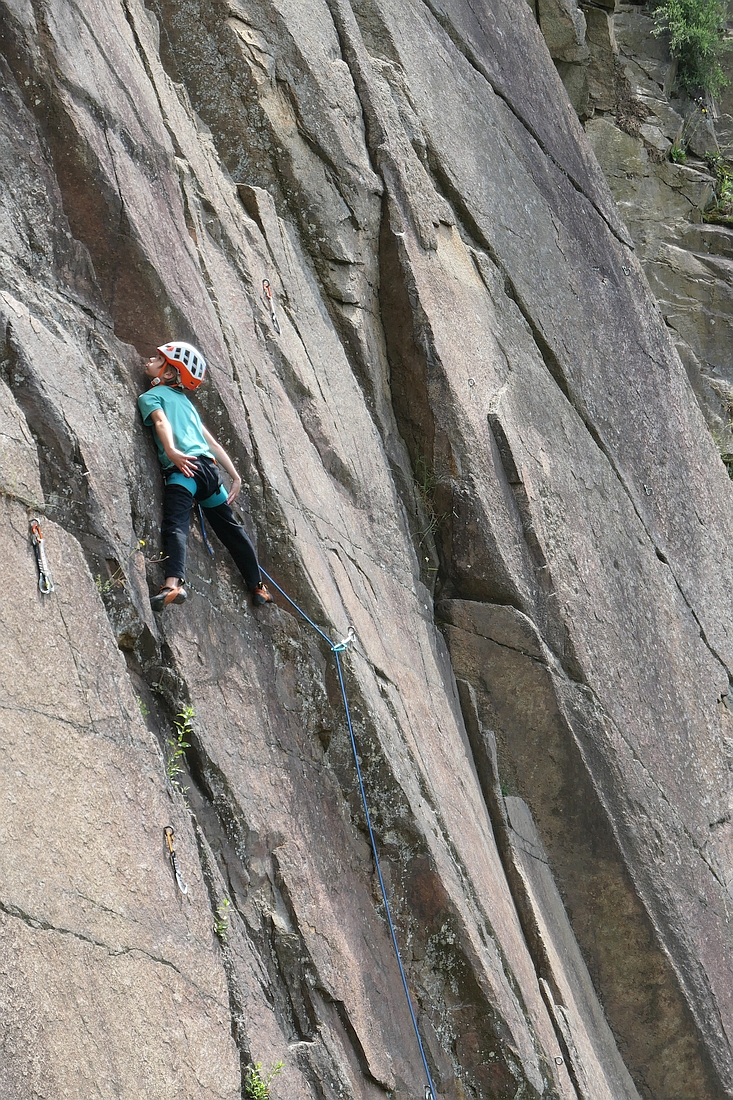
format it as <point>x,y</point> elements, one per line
<point>187,360</point>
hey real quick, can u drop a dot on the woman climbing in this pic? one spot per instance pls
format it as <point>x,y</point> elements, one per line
<point>190,457</point>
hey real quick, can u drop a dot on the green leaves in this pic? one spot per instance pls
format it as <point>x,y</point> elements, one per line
<point>697,39</point>
<point>257,1084</point>
<point>720,209</point>
<point>178,744</point>
<point>221,920</point>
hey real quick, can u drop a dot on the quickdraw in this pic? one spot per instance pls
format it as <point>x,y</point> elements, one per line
<point>45,583</point>
<point>345,643</point>
<point>268,295</point>
<point>169,838</point>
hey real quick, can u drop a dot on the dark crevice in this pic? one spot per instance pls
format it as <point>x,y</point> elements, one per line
<point>236,1000</point>
<point>586,857</point>
<point>412,373</point>
<point>559,1017</point>
<point>352,1036</point>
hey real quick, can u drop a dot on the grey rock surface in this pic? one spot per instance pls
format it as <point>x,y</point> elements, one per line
<point>110,978</point>
<point>598,1070</point>
<point>664,203</point>
<point>472,398</point>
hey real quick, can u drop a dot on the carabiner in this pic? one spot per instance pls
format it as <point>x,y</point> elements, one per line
<point>169,837</point>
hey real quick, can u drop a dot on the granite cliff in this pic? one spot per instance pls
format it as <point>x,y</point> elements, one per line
<point>472,442</point>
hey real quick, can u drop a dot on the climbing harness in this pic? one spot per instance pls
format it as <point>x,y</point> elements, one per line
<point>169,837</point>
<point>268,295</point>
<point>338,648</point>
<point>45,583</point>
<point>207,544</point>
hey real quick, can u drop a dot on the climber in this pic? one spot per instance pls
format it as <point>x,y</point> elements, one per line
<point>190,457</point>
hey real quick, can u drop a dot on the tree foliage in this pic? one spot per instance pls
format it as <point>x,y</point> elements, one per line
<point>697,32</point>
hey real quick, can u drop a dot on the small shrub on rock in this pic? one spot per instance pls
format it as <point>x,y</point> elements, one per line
<point>720,209</point>
<point>257,1084</point>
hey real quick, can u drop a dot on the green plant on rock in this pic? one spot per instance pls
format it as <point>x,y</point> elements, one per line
<point>697,38</point>
<point>725,455</point>
<point>116,580</point>
<point>425,481</point>
<point>177,744</point>
<point>686,132</point>
<point>720,208</point>
<point>221,921</point>
<point>257,1084</point>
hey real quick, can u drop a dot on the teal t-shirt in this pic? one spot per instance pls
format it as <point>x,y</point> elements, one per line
<point>183,417</point>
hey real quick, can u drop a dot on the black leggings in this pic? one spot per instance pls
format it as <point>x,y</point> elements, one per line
<point>177,506</point>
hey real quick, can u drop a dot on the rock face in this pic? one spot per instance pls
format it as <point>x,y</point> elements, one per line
<point>473,442</point>
<point>624,90</point>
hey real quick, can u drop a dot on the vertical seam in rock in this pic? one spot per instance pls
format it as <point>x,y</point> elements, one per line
<point>236,1009</point>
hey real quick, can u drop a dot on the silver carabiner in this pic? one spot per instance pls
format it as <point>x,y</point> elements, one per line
<point>45,583</point>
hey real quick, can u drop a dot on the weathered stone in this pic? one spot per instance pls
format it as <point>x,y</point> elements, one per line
<point>646,54</point>
<point>575,79</point>
<point>653,136</point>
<point>598,1071</point>
<point>471,391</point>
<point>108,975</point>
<point>534,711</point>
<point>563,28</point>
<point>662,202</point>
<point>664,116</point>
<point>602,65</point>
<point>658,199</point>
<point>18,457</point>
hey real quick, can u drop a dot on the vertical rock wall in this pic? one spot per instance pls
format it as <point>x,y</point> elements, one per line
<point>623,85</point>
<point>471,428</point>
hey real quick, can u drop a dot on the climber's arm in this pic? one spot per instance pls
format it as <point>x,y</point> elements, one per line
<point>162,425</point>
<point>226,463</point>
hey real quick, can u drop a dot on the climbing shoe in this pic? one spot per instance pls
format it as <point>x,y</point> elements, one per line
<point>261,596</point>
<point>168,595</point>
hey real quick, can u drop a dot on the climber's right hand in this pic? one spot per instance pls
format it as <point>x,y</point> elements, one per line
<point>184,463</point>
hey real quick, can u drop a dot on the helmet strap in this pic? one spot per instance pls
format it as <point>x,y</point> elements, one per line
<point>158,380</point>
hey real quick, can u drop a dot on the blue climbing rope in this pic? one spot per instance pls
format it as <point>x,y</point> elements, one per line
<point>207,544</point>
<point>337,649</point>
